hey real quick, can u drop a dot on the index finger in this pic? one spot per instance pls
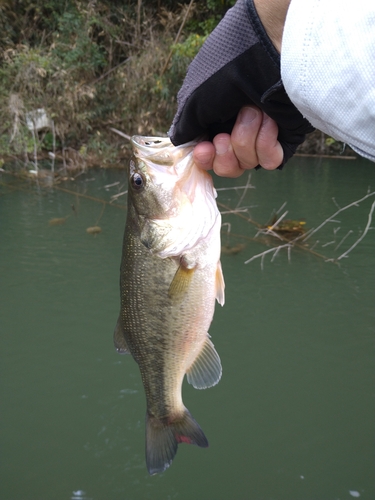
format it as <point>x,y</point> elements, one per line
<point>204,154</point>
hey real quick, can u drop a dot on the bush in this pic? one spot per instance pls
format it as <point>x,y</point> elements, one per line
<point>94,65</point>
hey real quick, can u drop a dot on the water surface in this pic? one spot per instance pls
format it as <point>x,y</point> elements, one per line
<point>292,417</point>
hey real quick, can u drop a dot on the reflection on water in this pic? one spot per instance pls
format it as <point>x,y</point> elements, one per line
<point>80,495</point>
<point>292,417</point>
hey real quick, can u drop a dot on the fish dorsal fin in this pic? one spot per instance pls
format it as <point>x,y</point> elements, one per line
<point>220,285</point>
<point>206,369</point>
<point>180,283</point>
<point>119,339</point>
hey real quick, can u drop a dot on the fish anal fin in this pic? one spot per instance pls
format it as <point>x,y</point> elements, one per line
<point>162,439</point>
<point>206,370</point>
<point>220,285</point>
<point>119,338</point>
<point>180,283</point>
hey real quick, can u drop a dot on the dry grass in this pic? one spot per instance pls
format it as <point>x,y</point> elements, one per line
<point>92,75</point>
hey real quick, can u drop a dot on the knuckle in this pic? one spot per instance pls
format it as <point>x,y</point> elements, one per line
<point>227,169</point>
<point>247,156</point>
<point>272,157</point>
<point>248,165</point>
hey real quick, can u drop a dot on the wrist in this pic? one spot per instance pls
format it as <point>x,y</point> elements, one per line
<point>272,14</point>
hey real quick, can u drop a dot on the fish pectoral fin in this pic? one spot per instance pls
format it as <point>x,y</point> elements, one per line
<point>180,283</point>
<point>119,339</point>
<point>220,285</point>
<point>206,370</point>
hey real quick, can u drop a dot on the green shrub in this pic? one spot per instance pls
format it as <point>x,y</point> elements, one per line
<point>94,65</point>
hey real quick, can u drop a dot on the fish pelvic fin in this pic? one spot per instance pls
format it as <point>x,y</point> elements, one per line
<point>180,283</point>
<point>119,339</point>
<point>220,285</point>
<point>206,370</point>
<point>162,439</point>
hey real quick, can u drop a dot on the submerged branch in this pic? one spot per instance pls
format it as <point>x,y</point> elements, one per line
<point>262,254</point>
<point>369,220</point>
<point>331,218</point>
<point>300,241</point>
<point>232,211</point>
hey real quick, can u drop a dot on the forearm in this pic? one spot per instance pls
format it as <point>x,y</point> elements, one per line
<point>328,68</point>
<point>272,13</point>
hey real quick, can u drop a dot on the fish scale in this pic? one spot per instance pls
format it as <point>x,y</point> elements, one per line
<point>167,308</point>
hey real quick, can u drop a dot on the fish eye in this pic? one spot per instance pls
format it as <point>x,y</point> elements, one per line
<point>137,181</point>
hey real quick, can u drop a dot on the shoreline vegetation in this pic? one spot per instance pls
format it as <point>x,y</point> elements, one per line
<point>72,71</point>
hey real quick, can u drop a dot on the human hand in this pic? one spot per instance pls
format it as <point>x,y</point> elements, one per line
<point>253,141</point>
<point>238,66</point>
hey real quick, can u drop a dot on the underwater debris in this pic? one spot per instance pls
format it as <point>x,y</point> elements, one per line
<point>94,230</point>
<point>57,221</point>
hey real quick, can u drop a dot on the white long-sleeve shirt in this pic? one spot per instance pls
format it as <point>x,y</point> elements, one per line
<point>328,68</point>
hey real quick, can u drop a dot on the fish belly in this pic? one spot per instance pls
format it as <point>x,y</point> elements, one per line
<point>164,336</point>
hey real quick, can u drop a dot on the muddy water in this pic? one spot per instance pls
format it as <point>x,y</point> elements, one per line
<point>292,417</point>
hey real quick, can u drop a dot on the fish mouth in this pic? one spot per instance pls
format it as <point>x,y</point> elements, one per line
<point>157,150</point>
<point>160,146</point>
<point>160,153</point>
<point>150,145</point>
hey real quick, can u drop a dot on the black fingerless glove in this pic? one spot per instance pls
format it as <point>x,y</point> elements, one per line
<point>237,66</point>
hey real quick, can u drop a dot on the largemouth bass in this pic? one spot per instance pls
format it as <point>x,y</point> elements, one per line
<point>170,277</point>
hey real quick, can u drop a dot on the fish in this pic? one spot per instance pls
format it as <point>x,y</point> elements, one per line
<point>170,278</point>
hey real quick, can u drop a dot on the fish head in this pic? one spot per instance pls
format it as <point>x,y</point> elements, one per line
<point>154,172</point>
<point>173,200</point>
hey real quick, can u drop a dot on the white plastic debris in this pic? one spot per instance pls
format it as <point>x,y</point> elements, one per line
<point>38,119</point>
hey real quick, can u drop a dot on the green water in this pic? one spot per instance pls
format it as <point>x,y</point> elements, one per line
<point>293,416</point>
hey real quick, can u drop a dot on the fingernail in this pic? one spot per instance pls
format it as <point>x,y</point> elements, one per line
<point>247,115</point>
<point>221,146</point>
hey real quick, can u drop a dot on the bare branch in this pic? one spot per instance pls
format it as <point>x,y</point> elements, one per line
<point>335,202</point>
<point>177,37</point>
<point>314,245</point>
<point>331,218</point>
<point>278,220</point>
<point>235,211</point>
<point>122,134</point>
<point>343,239</point>
<point>118,195</point>
<point>275,254</point>
<point>266,252</point>
<point>369,220</point>
<point>269,229</point>
<point>299,241</point>
<point>282,206</point>
<point>248,185</point>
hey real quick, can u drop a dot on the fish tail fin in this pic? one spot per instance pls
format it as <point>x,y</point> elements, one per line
<point>163,438</point>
